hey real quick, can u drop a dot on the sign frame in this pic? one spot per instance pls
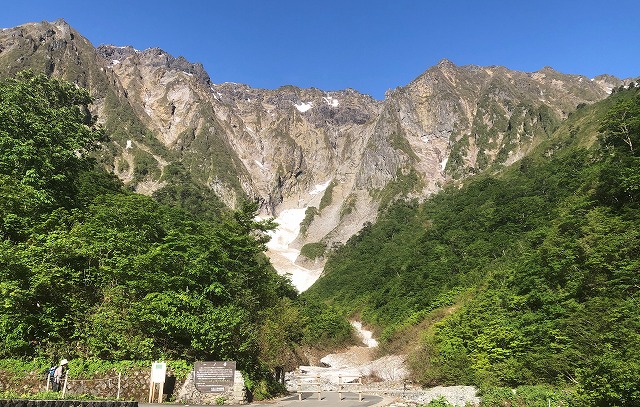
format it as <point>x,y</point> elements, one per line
<point>214,376</point>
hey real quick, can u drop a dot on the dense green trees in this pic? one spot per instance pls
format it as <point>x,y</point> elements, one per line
<point>45,132</point>
<point>90,270</point>
<point>525,277</point>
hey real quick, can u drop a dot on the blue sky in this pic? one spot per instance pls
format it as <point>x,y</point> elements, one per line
<point>368,45</point>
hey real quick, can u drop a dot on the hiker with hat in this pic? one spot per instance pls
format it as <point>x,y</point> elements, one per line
<point>60,374</point>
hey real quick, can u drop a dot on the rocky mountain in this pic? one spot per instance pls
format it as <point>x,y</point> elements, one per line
<point>341,152</point>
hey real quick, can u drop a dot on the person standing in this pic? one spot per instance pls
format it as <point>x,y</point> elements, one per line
<point>60,375</point>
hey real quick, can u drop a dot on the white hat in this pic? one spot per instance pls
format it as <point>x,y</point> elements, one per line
<point>63,362</point>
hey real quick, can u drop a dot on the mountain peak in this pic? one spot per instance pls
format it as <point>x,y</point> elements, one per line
<point>444,62</point>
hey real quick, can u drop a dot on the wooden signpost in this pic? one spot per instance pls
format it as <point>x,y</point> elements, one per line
<point>158,375</point>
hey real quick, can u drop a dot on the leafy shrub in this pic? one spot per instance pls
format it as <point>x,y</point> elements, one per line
<point>496,397</point>
<point>313,250</point>
<point>439,402</point>
<point>327,197</point>
<point>309,214</point>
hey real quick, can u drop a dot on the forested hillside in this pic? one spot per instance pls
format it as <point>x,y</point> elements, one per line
<point>525,276</point>
<point>91,270</point>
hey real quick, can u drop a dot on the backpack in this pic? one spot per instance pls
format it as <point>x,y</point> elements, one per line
<point>51,373</point>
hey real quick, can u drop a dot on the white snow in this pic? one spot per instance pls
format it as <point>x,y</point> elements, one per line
<point>282,256</point>
<point>443,164</point>
<point>358,361</point>
<point>128,145</point>
<point>319,188</point>
<point>260,164</point>
<point>303,107</point>
<point>289,226</point>
<point>364,335</point>
<point>114,62</point>
<point>331,101</point>
<point>280,253</point>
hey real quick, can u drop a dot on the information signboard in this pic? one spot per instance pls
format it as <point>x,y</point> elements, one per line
<point>158,372</point>
<point>214,377</point>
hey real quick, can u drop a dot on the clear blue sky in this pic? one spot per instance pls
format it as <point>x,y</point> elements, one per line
<point>368,45</point>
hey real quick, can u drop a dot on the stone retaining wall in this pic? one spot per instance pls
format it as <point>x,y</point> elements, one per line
<point>134,385</point>
<point>66,403</point>
<point>188,394</point>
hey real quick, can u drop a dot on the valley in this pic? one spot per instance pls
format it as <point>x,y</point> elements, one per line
<point>477,229</point>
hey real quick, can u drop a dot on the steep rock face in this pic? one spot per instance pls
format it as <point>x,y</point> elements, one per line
<point>459,120</point>
<point>341,152</point>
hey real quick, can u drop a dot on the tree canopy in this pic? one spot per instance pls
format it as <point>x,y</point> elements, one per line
<point>89,269</point>
<point>526,276</point>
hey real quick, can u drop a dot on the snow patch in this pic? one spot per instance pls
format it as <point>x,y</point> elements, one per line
<point>259,164</point>
<point>303,107</point>
<point>319,188</point>
<point>129,145</point>
<point>114,62</point>
<point>331,101</point>
<point>443,164</point>
<point>282,256</point>
<point>289,227</point>
<point>365,336</point>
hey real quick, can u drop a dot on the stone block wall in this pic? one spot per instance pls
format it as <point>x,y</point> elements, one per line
<point>188,394</point>
<point>66,403</point>
<point>134,385</point>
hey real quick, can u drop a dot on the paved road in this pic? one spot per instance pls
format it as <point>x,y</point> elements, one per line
<point>309,399</point>
<point>328,399</point>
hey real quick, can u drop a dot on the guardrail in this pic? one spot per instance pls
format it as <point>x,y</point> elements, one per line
<point>303,381</point>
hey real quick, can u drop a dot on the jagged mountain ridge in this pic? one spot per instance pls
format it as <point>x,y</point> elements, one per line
<point>279,145</point>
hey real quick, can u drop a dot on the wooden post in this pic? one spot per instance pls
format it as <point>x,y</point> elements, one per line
<point>160,390</point>
<point>150,389</point>
<point>119,381</point>
<point>319,387</point>
<point>64,388</point>
<point>340,387</point>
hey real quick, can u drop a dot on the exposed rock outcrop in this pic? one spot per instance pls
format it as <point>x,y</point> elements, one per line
<point>278,145</point>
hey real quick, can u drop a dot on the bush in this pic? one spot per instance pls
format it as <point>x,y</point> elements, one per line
<point>439,402</point>
<point>313,250</point>
<point>496,397</point>
<point>527,396</point>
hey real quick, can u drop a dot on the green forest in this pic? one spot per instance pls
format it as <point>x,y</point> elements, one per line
<point>91,271</point>
<point>522,276</point>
